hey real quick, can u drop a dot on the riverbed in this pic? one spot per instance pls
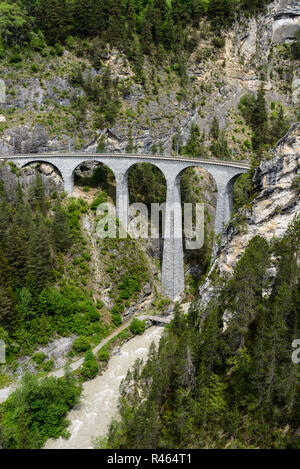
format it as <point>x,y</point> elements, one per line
<point>99,401</point>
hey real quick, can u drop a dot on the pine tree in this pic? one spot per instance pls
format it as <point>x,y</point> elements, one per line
<point>259,120</point>
<point>245,289</point>
<point>50,20</point>
<point>115,23</point>
<point>5,278</point>
<point>279,126</point>
<point>85,16</point>
<point>195,144</point>
<point>39,255</point>
<point>37,197</point>
<point>4,219</point>
<point>214,129</point>
<point>16,254</point>
<point>61,233</point>
<point>6,306</point>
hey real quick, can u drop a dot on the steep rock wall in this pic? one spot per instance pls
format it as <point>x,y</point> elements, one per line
<point>269,214</point>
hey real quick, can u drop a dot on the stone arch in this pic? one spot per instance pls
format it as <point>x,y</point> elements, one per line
<point>230,188</point>
<point>49,163</point>
<point>201,168</point>
<point>198,259</point>
<point>146,164</point>
<point>90,166</point>
<point>141,177</point>
<point>197,166</point>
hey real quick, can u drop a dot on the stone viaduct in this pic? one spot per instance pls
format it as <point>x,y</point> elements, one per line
<point>223,172</point>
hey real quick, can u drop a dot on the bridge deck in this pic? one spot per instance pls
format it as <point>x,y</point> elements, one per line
<point>196,159</point>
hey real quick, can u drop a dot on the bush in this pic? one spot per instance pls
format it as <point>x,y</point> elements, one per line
<point>59,50</point>
<point>81,344</point>
<point>39,357</point>
<point>137,326</point>
<point>90,366</point>
<point>103,354</point>
<point>296,184</point>
<point>36,411</point>
<point>38,42</point>
<point>130,285</point>
<point>218,42</point>
<point>15,58</point>
<point>92,314</point>
<point>34,68</point>
<point>48,366</point>
<point>117,319</point>
<point>100,199</point>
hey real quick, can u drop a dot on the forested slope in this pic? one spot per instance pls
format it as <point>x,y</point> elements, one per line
<point>216,386</point>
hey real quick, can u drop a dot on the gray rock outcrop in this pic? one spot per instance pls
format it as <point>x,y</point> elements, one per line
<point>270,212</point>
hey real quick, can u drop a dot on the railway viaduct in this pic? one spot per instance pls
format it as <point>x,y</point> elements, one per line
<point>223,172</point>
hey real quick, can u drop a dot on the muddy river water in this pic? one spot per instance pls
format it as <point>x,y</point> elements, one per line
<point>99,401</point>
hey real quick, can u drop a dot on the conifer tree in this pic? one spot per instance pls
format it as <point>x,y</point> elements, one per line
<point>245,289</point>
<point>39,255</point>
<point>16,254</point>
<point>259,120</point>
<point>61,233</point>
<point>50,20</point>
<point>6,306</point>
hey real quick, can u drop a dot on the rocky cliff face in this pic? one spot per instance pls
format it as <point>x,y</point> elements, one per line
<point>269,214</point>
<point>39,113</point>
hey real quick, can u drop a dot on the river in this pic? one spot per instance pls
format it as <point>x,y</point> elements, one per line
<point>99,402</point>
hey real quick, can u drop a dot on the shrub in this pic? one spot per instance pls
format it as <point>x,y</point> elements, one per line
<point>48,366</point>
<point>59,50</point>
<point>34,68</point>
<point>90,366</point>
<point>15,58</point>
<point>92,314</point>
<point>100,199</point>
<point>219,42</point>
<point>137,326</point>
<point>103,354</point>
<point>38,42</point>
<point>130,285</point>
<point>296,184</point>
<point>81,344</point>
<point>39,357</point>
<point>117,319</point>
<point>36,411</point>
